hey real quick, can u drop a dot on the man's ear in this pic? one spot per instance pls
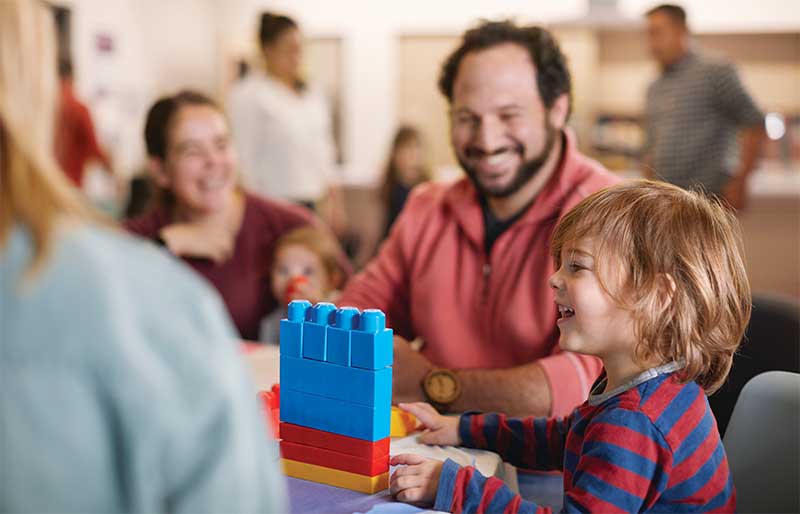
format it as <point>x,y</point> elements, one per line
<point>559,111</point>
<point>157,170</point>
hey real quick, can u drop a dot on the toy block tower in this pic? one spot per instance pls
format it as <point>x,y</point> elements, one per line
<point>336,395</point>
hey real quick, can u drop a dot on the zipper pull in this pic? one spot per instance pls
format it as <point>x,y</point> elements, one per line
<point>487,270</point>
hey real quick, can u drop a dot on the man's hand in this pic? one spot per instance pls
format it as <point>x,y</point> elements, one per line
<point>408,371</point>
<point>416,483</point>
<point>438,429</point>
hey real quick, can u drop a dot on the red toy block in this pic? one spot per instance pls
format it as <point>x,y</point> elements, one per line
<point>272,402</point>
<point>359,448</point>
<point>335,460</point>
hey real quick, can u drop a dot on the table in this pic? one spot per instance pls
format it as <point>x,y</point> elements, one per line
<point>311,497</point>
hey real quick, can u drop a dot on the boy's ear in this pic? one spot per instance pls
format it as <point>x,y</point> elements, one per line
<point>666,289</point>
<point>157,170</point>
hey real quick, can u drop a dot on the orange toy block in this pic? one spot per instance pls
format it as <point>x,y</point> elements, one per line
<point>335,477</point>
<point>402,423</point>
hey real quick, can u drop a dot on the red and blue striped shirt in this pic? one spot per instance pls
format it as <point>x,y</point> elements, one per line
<point>652,448</point>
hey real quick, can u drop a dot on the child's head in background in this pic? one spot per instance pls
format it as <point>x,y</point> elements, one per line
<point>653,273</point>
<point>305,266</point>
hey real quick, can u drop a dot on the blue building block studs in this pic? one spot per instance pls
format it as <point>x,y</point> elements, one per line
<point>339,336</point>
<point>371,345</point>
<point>336,370</point>
<point>291,337</point>
<point>315,331</point>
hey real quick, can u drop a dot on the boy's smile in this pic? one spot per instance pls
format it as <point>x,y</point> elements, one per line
<point>590,321</point>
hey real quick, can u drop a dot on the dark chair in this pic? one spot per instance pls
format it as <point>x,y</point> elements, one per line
<point>763,446</point>
<point>139,197</point>
<point>771,343</point>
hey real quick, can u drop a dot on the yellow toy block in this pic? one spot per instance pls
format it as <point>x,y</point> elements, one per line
<point>402,423</point>
<point>335,477</point>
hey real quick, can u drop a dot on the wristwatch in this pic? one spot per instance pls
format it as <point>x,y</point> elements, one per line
<point>441,388</point>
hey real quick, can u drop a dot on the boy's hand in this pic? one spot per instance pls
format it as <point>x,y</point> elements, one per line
<point>418,482</point>
<point>438,429</point>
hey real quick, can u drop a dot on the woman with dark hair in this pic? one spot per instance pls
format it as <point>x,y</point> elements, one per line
<point>201,214</point>
<point>282,125</point>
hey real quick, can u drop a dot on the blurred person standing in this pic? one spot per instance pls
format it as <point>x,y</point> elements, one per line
<point>282,126</point>
<point>694,111</point>
<point>121,386</point>
<point>75,140</point>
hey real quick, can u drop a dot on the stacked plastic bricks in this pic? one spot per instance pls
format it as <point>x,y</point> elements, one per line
<point>336,394</point>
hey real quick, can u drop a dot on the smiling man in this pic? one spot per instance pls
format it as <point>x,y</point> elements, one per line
<point>465,267</point>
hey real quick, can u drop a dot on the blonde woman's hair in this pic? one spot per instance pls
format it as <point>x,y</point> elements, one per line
<point>33,190</point>
<point>683,273</point>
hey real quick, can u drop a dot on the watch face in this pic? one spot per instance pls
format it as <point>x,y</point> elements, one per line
<point>442,386</point>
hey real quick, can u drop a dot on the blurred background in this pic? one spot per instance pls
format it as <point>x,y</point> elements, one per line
<point>378,63</point>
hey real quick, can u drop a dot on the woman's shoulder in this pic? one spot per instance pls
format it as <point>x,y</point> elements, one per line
<point>111,258</point>
<point>148,224</point>
<point>101,286</point>
<point>260,210</point>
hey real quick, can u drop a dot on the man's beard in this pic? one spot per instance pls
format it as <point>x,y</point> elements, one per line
<point>524,174</point>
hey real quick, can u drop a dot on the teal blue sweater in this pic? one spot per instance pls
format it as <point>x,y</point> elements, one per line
<point>122,387</point>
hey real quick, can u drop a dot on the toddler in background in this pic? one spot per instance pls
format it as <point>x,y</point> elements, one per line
<point>650,278</point>
<point>305,266</point>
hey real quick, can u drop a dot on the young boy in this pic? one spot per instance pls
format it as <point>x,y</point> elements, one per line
<point>651,280</point>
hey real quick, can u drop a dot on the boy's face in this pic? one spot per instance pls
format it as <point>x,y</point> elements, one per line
<point>299,274</point>
<point>589,320</point>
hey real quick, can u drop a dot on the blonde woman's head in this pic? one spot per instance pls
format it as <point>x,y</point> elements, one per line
<point>34,192</point>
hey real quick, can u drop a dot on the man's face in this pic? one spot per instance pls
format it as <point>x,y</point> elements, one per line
<point>500,129</point>
<point>666,38</point>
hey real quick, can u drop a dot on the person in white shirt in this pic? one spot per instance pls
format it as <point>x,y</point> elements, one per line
<point>282,126</point>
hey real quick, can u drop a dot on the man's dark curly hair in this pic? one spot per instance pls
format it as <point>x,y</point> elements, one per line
<point>552,74</point>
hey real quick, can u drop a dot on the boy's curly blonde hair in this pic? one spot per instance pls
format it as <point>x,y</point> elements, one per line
<point>684,275</point>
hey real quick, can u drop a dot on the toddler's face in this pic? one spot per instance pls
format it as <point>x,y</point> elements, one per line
<point>298,274</point>
<point>589,320</point>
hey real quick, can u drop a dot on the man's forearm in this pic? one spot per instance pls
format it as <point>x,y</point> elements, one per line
<point>749,150</point>
<point>520,391</point>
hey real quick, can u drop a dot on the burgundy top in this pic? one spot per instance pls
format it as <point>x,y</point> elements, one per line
<point>243,281</point>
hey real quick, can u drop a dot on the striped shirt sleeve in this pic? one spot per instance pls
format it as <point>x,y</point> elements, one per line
<point>532,443</point>
<point>465,489</point>
<point>622,465</point>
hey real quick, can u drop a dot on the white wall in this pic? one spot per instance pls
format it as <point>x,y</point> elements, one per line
<point>369,30</point>
<point>158,47</point>
<point>729,15</point>
<point>166,44</point>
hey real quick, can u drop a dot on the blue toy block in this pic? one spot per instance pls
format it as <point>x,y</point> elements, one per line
<point>315,331</point>
<point>353,385</point>
<point>337,416</point>
<point>371,344</point>
<point>291,336</point>
<point>338,350</point>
